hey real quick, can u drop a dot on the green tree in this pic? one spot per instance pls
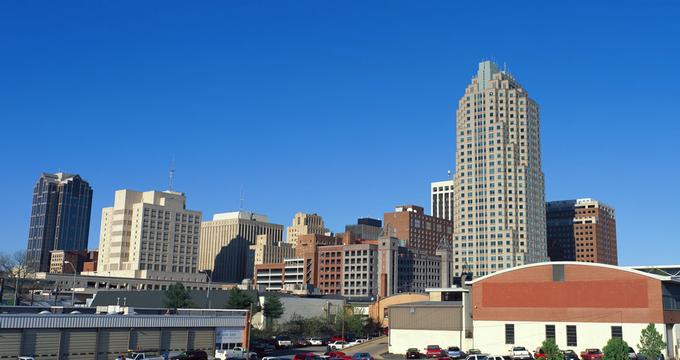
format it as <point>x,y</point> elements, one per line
<point>351,323</point>
<point>616,349</point>
<point>177,296</point>
<point>239,299</point>
<point>272,310</point>
<point>651,343</point>
<point>551,350</point>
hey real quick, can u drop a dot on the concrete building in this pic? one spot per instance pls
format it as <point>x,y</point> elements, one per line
<point>378,310</point>
<point>308,250</point>
<point>441,193</point>
<point>360,275</point>
<point>287,276</point>
<point>304,224</point>
<point>581,305</point>
<point>581,230</point>
<point>499,213</point>
<point>70,261</point>
<point>365,229</point>
<point>150,235</point>
<point>302,306</point>
<point>418,230</point>
<point>267,251</point>
<point>226,241</point>
<point>60,218</point>
<point>404,270</point>
<point>101,336</point>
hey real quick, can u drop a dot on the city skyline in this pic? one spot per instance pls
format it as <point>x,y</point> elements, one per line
<point>246,130</point>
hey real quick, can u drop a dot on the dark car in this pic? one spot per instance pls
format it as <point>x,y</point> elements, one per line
<point>191,355</point>
<point>413,353</point>
<point>362,356</point>
<point>570,355</point>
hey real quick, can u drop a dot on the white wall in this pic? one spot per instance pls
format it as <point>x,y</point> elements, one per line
<point>402,340</point>
<point>489,336</point>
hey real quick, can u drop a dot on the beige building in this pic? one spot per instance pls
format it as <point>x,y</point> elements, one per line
<point>150,235</point>
<point>499,213</point>
<point>268,251</point>
<point>304,224</point>
<point>441,193</point>
<point>226,241</point>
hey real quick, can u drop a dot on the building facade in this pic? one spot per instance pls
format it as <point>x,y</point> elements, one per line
<point>226,241</point>
<point>68,262</point>
<point>267,251</point>
<point>360,272</point>
<point>581,230</point>
<point>499,213</point>
<point>150,235</point>
<point>60,218</point>
<point>364,229</point>
<point>418,230</point>
<point>304,224</point>
<point>441,193</point>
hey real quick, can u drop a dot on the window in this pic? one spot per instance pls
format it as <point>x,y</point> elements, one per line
<point>571,335</point>
<point>509,333</point>
<point>550,332</point>
<point>617,332</point>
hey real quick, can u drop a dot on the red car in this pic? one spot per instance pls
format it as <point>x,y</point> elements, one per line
<point>539,353</point>
<point>592,354</point>
<point>337,355</point>
<point>433,351</point>
<point>337,338</point>
<point>306,356</point>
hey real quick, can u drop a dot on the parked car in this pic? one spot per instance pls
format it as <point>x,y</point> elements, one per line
<point>337,345</point>
<point>520,353</point>
<point>539,353</point>
<point>337,338</point>
<point>631,354</point>
<point>283,341</point>
<point>306,356</point>
<point>235,353</point>
<point>592,354</point>
<point>476,357</point>
<point>142,356</point>
<point>474,351</point>
<point>433,351</point>
<point>362,356</point>
<point>456,353</point>
<point>413,353</point>
<point>316,341</point>
<point>191,355</point>
<point>499,357</point>
<point>570,355</point>
<point>262,349</point>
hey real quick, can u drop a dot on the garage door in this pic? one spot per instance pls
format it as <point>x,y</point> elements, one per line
<point>202,339</point>
<point>145,339</point>
<point>174,340</point>
<point>10,344</point>
<point>111,343</point>
<point>79,344</point>
<point>41,343</point>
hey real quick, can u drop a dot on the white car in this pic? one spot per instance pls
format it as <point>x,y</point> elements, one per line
<point>338,345</point>
<point>315,341</point>
<point>520,353</point>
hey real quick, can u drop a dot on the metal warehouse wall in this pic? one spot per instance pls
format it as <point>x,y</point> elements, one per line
<point>425,318</point>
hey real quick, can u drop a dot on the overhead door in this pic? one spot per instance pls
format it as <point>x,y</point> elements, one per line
<point>10,344</point>
<point>145,339</point>
<point>112,342</point>
<point>41,343</point>
<point>202,339</point>
<point>78,344</point>
<point>174,339</point>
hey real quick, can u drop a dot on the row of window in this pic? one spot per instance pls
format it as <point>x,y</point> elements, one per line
<point>571,333</point>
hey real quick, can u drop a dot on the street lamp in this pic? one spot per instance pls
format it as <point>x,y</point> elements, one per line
<point>73,287</point>
<point>207,295</point>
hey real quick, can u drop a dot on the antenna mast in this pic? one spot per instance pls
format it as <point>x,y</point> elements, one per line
<point>172,173</point>
<point>242,199</point>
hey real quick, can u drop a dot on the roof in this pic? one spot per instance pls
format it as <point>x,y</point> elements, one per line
<point>58,321</point>
<point>430,304</point>
<point>573,263</point>
<point>449,289</point>
<point>156,298</point>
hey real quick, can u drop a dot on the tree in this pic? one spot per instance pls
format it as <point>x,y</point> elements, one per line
<point>651,343</point>
<point>14,268</point>
<point>616,349</point>
<point>273,309</point>
<point>239,299</point>
<point>551,350</point>
<point>177,296</point>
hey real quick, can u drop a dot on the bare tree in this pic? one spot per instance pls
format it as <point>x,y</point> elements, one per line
<point>14,269</point>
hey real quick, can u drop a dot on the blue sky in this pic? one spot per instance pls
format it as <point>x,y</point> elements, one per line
<point>341,108</point>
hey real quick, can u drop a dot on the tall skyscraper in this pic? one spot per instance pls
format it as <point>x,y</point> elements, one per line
<point>304,224</point>
<point>226,240</point>
<point>441,193</point>
<point>499,213</point>
<point>581,230</point>
<point>150,235</point>
<point>60,218</point>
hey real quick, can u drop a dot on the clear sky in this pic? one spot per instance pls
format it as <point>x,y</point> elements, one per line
<point>344,108</point>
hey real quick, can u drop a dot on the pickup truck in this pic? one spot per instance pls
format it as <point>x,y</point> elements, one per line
<point>520,353</point>
<point>142,356</point>
<point>235,353</point>
<point>592,354</point>
<point>433,351</point>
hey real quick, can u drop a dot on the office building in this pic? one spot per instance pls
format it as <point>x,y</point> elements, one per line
<point>581,230</point>
<point>60,218</point>
<point>441,193</point>
<point>499,212</point>
<point>304,224</point>
<point>359,270</point>
<point>364,229</point>
<point>418,231</point>
<point>226,240</point>
<point>68,262</point>
<point>267,251</point>
<point>150,235</point>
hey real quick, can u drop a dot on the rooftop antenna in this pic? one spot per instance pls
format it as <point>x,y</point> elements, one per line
<point>505,67</point>
<point>242,199</point>
<point>172,173</point>
<point>448,172</point>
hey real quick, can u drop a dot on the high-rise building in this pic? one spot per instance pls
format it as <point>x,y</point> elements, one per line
<point>60,218</point>
<point>150,235</point>
<point>364,229</point>
<point>267,251</point>
<point>441,193</point>
<point>226,241</point>
<point>581,230</point>
<point>304,224</point>
<point>418,230</point>
<point>499,212</point>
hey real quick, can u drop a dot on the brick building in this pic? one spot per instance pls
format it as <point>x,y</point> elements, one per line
<point>419,231</point>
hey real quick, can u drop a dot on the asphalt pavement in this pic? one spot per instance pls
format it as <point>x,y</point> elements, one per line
<point>375,347</point>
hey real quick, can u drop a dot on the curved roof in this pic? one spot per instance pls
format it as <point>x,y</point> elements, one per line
<point>575,263</point>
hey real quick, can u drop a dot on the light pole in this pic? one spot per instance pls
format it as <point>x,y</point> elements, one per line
<point>207,295</point>
<point>73,286</point>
